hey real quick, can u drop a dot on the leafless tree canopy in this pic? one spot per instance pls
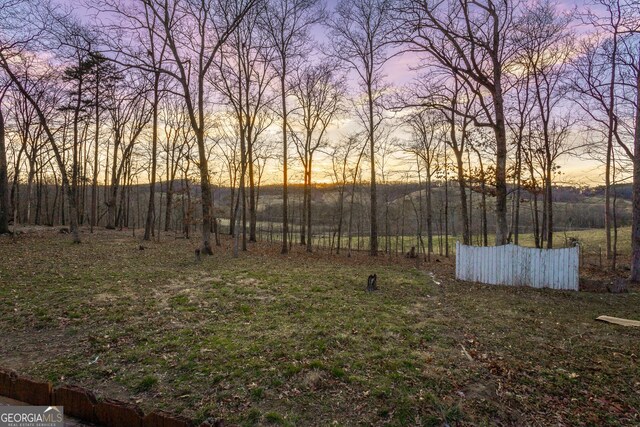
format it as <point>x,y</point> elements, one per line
<point>421,118</point>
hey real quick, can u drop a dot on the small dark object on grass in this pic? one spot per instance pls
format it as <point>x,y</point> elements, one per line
<point>197,253</point>
<point>412,253</point>
<point>64,230</point>
<point>142,248</point>
<point>371,283</point>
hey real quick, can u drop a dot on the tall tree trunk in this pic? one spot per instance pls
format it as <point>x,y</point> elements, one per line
<point>63,209</point>
<point>303,216</point>
<point>205,188</point>
<point>502,228</point>
<point>374,209</point>
<point>5,211</point>
<point>15,187</point>
<point>429,213</point>
<point>76,141</point>
<point>168,206</point>
<point>350,225</point>
<point>516,221</point>
<point>387,229</point>
<point>236,219</point>
<point>285,191</point>
<point>148,226</point>
<point>308,207</point>
<point>536,221</point>
<point>466,233</point>
<point>32,173</point>
<point>46,203</point>
<point>607,194</point>
<point>485,231</point>
<point>446,207</point>
<point>83,184</point>
<point>105,193</point>
<point>120,207</point>
<point>113,193</point>
<point>549,205</point>
<point>614,243</point>
<point>340,217</point>
<point>635,229</point>
<point>253,215</point>
<point>470,209</point>
<point>55,199</point>
<point>232,207</point>
<point>94,183</point>
<point>607,198</point>
<point>243,192</point>
<point>39,196</point>
<point>420,214</point>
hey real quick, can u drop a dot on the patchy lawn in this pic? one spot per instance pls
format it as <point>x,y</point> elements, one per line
<point>296,340</point>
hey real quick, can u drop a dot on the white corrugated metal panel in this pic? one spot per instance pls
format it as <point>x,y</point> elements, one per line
<point>516,265</point>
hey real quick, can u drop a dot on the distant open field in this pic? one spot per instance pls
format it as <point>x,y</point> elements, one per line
<point>592,241</point>
<point>295,340</point>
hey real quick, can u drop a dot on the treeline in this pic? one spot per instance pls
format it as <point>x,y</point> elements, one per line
<point>403,209</point>
<point>167,94</point>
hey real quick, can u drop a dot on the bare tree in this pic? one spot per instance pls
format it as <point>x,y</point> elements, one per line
<point>597,82</point>
<point>130,115</point>
<point>456,103</point>
<point>6,11</point>
<point>482,177</point>
<point>156,48</point>
<point>362,31</point>
<point>340,154</point>
<point>545,47</point>
<point>229,144</point>
<point>23,83</point>
<point>521,110</point>
<point>318,92</point>
<point>425,143</point>
<point>194,33</point>
<point>287,24</point>
<point>76,46</point>
<point>245,74</point>
<point>471,38</point>
<point>30,135</point>
<point>176,145</point>
<point>104,76</point>
<point>16,41</point>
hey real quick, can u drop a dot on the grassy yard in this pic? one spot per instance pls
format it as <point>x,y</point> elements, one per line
<point>296,340</point>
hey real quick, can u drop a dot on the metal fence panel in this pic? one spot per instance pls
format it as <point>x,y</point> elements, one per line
<point>518,266</point>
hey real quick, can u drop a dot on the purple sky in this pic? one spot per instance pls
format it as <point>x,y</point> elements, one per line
<point>398,73</point>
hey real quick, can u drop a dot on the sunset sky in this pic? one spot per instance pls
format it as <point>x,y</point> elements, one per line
<point>577,169</point>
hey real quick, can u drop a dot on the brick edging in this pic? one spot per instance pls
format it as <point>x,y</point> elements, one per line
<point>81,403</point>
